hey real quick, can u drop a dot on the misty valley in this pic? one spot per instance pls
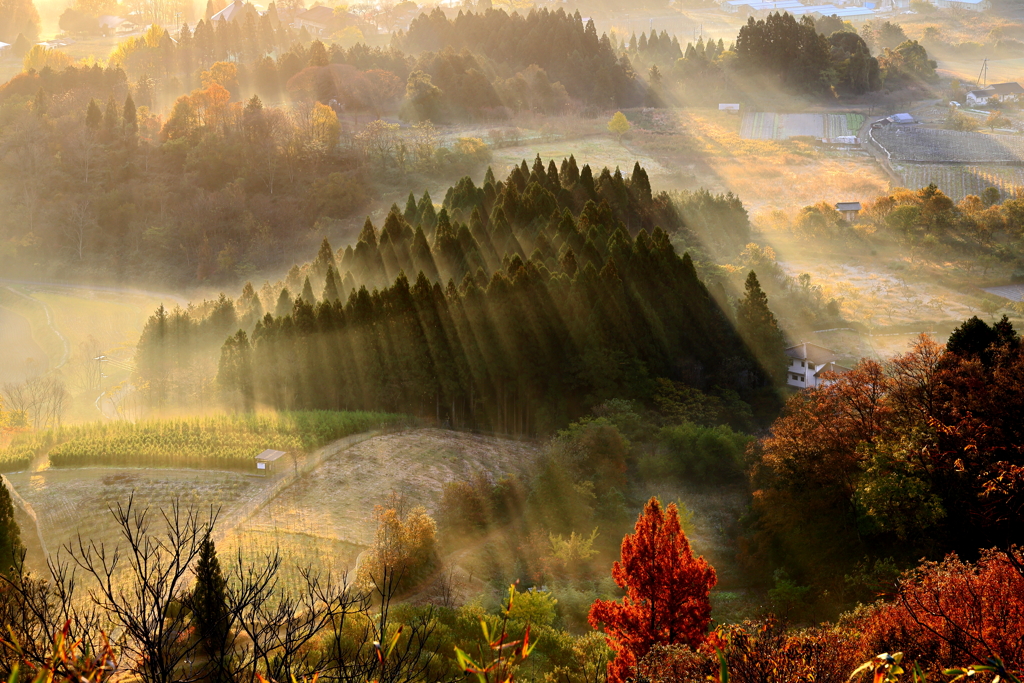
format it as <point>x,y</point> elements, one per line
<point>524,340</point>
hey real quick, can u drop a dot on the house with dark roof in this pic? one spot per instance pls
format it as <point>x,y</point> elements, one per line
<point>808,363</point>
<point>998,92</point>
<point>849,210</point>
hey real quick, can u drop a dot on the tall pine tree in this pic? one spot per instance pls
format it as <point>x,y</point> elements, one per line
<point>760,330</point>
<point>208,603</point>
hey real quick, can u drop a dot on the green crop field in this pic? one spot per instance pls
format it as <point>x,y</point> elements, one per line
<point>219,442</point>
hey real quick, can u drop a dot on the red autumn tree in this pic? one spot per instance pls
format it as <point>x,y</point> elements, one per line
<point>666,601</point>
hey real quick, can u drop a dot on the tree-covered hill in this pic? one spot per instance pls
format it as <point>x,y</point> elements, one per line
<point>515,307</point>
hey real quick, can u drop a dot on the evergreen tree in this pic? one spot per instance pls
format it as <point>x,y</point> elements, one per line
<point>307,292</point>
<point>93,115</point>
<point>111,115</point>
<point>208,603</point>
<point>131,122</point>
<point>332,286</point>
<point>411,213</point>
<point>760,330</point>
<point>324,258</point>
<point>368,233</point>
<point>10,536</point>
<point>318,54</point>
<point>40,104</point>
<point>21,46</point>
<point>284,304</point>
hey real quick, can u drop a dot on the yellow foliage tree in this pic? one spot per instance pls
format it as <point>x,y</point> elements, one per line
<point>40,57</point>
<point>404,550</point>
<point>324,128</point>
<point>619,125</point>
<point>224,74</point>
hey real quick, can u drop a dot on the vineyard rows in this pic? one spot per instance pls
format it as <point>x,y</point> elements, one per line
<point>959,181</point>
<point>220,442</point>
<point>931,145</point>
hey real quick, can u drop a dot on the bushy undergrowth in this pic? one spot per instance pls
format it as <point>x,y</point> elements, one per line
<point>216,442</point>
<point>22,449</point>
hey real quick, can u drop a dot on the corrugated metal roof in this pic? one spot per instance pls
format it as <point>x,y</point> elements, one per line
<point>269,455</point>
<point>848,206</point>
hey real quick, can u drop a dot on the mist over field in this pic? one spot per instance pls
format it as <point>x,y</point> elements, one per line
<point>545,341</point>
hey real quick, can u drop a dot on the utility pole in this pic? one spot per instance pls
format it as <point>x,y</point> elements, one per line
<point>983,76</point>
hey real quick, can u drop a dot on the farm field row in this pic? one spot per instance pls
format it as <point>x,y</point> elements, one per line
<point>771,126</point>
<point>958,181</point>
<point>226,442</point>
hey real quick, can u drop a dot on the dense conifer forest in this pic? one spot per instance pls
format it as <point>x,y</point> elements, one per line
<point>559,292</point>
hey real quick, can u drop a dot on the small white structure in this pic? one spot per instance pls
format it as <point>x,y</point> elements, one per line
<point>901,118</point>
<point>849,210</point>
<point>808,362</point>
<point>265,460</point>
<point>731,108</point>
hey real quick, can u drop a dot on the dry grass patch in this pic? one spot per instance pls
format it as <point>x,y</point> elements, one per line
<point>765,174</point>
<point>335,501</point>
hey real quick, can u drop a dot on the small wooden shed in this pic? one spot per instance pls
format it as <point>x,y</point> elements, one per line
<point>265,460</point>
<point>849,210</point>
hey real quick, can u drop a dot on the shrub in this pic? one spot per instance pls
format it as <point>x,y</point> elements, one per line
<point>950,612</point>
<point>704,452</point>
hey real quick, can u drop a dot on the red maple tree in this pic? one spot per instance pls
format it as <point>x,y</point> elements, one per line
<point>667,588</point>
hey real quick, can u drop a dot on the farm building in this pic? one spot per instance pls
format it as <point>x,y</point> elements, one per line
<point>999,92</point>
<point>731,108</point>
<point>316,20</point>
<point>265,460</point>
<point>976,5</point>
<point>110,24</point>
<point>901,118</point>
<point>808,362</point>
<point>849,210</point>
<point>235,11</point>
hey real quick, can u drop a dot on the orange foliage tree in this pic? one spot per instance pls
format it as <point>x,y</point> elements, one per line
<point>954,613</point>
<point>917,455</point>
<point>667,592</point>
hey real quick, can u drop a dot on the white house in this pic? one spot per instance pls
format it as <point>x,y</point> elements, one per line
<point>808,362</point>
<point>1001,92</point>
<point>4,48</point>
